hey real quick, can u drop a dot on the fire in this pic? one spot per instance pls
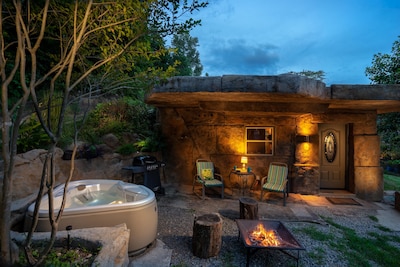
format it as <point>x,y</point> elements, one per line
<point>262,237</point>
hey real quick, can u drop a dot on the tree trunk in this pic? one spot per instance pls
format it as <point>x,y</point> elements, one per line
<point>248,208</point>
<point>207,235</point>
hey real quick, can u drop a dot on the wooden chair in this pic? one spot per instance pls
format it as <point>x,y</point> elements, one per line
<point>206,176</point>
<point>276,180</point>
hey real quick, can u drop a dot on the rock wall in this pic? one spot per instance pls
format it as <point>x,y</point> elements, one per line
<point>28,170</point>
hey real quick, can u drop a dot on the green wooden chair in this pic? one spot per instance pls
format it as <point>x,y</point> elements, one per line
<point>276,180</point>
<point>206,176</point>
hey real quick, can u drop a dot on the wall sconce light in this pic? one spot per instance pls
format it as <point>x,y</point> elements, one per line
<point>303,139</point>
<point>244,161</point>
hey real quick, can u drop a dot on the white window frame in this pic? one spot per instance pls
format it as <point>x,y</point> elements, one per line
<point>260,140</point>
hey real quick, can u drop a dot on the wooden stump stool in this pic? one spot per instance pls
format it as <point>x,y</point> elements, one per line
<point>248,208</point>
<point>207,235</point>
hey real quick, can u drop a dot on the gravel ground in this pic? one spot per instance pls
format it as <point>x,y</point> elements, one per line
<point>176,218</point>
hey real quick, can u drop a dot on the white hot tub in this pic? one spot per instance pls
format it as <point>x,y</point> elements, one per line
<point>101,203</point>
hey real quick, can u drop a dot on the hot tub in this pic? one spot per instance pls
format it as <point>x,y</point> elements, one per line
<point>101,203</point>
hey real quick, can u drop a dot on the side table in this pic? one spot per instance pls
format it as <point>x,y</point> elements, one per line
<point>243,175</point>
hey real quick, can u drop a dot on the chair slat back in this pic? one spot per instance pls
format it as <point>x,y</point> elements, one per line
<point>202,165</point>
<point>277,175</point>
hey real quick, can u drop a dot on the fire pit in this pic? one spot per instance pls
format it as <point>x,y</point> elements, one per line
<point>260,234</point>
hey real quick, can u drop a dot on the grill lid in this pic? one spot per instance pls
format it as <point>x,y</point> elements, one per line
<point>144,160</point>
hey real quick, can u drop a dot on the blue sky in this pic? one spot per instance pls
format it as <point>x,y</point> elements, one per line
<point>269,37</point>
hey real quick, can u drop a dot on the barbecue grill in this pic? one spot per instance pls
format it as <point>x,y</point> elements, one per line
<point>147,167</point>
<point>283,239</point>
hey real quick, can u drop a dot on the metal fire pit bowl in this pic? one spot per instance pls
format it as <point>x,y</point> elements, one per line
<point>287,240</point>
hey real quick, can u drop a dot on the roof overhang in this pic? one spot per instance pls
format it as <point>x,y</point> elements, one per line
<point>291,94</point>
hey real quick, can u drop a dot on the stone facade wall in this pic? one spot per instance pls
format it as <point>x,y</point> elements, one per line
<point>364,174</point>
<point>367,167</point>
<point>192,133</point>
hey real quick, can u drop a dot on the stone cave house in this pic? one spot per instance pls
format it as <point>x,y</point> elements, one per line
<point>326,134</point>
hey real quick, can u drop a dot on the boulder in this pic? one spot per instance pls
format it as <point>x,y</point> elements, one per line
<point>28,170</point>
<point>111,141</point>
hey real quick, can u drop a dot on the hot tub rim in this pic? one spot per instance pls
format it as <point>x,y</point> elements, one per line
<point>93,209</point>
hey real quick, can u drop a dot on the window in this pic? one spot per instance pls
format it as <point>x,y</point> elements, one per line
<point>259,140</point>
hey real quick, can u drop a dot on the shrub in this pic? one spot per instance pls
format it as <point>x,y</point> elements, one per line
<point>127,149</point>
<point>121,116</point>
<point>32,135</point>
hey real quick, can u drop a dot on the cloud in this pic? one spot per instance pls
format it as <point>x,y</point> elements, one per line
<point>266,37</point>
<point>236,56</point>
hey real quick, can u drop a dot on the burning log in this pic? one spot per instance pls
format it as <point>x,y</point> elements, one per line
<point>207,235</point>
<point>261,237</point>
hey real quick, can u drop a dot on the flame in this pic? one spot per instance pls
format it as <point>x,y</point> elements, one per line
<point>262,237</point>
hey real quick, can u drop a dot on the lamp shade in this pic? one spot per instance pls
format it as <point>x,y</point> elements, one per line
<point>243,160</point>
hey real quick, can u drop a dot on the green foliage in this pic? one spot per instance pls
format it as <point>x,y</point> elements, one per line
<point>105,118</point>
<point>68,134</point>
<point>228,259</point>
<point>391,182</point>
<point>385,69</point>
<point>52,109</point>
<point>389,131</point>
<point>376,249</point>
<point>373,218</point>
<point>32,135</point>
<point>122,116</point>
<point>316,234</point>
<point>81,253</point>
<point>127,149</point>
<point>186,55</point>
<point>149,144</point>
<point>317,255</point>
<point>78,48</point>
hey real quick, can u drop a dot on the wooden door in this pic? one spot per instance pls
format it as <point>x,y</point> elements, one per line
<point>332,156</point>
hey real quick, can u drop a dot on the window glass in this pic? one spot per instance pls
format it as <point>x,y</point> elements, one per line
<point>259,140</point>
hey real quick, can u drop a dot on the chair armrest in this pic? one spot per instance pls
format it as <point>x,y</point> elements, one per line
<point>263,180</point>
<point>219,176</point>
<point>198,177</point>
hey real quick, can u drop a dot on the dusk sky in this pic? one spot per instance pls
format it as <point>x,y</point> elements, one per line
<point>269,37</point>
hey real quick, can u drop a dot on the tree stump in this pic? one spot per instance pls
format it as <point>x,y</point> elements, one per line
<point>397,200</point>
<point>207,235</point>
<point>248,208</point>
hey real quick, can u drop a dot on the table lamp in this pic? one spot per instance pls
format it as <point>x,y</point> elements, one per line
<point>243,160</point>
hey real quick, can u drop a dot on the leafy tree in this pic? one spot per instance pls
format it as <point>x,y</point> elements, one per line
<point>186,55</point>
<point>385,69</point>
<point>389,131</point>
<point>50,52</point>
